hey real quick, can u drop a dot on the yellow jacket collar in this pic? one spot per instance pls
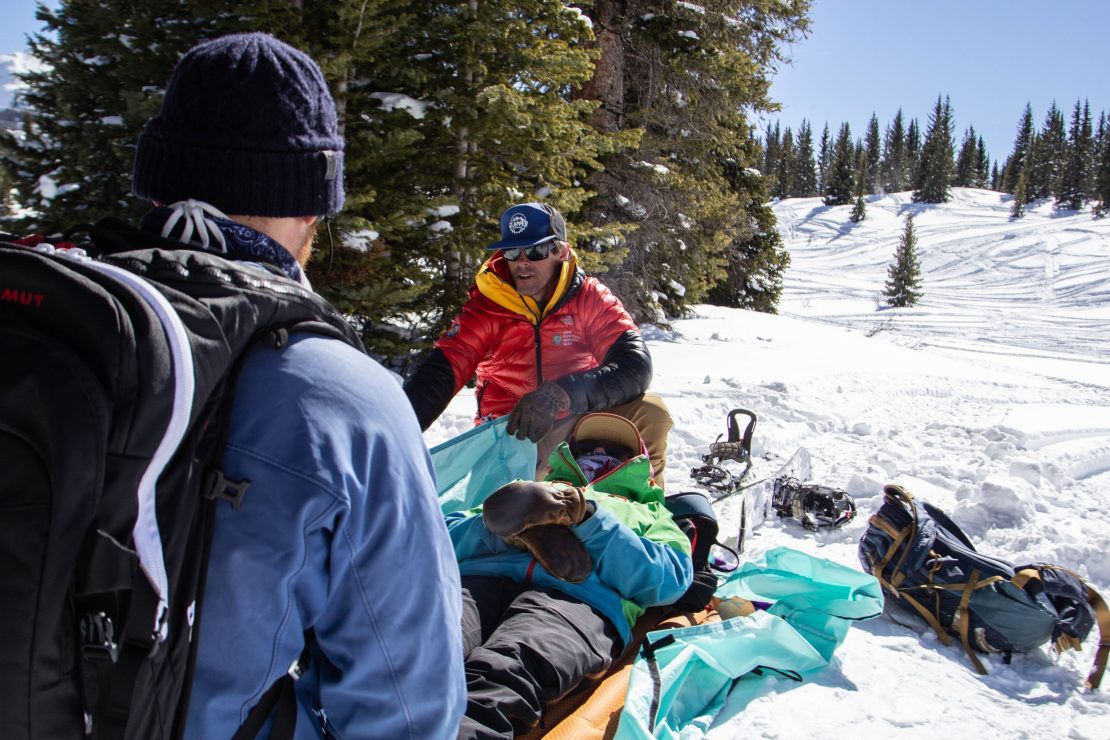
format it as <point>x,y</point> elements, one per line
<point>496,283</point>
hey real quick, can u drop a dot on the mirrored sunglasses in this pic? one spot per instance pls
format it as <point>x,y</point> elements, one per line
<point>537,253</point>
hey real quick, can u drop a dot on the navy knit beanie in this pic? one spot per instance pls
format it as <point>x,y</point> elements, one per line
<point>247,125</point>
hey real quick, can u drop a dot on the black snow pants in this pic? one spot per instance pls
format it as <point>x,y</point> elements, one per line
<point>525,647</point>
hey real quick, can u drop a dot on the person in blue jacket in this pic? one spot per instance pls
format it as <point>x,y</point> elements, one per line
<point>556,573</point>
<point>340,534</point>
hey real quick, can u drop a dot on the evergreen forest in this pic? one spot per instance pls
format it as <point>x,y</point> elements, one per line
<point>1067,160</point>
<point>633,117</point>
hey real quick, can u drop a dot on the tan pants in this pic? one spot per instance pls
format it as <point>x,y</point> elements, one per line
<point>649,414</point>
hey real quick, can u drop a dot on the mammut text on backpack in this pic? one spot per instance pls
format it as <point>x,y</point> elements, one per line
<point>22,297</point>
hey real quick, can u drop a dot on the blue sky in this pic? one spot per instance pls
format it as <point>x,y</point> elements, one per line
<point>989,56</point>
<point>19,20</point>
<point>876,56</point>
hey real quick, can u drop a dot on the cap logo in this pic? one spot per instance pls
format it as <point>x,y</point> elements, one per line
<point>518,223</point>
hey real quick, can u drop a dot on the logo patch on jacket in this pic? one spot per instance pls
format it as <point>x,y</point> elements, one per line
<point>565,337</point>
<point>453,329</point>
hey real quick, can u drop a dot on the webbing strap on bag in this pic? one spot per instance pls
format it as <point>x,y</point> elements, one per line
<point>898,492</point>
<point>1069,642</point>
<point>896,536</point>
<point>964,620</point>
<point>929,617</point>
<point>1102,614</point>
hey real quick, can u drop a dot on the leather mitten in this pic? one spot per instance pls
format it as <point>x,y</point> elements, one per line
<point>561,553</point>
<point>519,505</point>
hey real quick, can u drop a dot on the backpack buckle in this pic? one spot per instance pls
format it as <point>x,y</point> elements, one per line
<point>98,638</point>
<point>220,487</point>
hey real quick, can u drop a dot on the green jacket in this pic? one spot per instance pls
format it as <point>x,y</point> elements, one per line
<point>640,556</point>
<point>628,493</point>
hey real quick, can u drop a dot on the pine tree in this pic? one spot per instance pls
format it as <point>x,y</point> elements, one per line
<point>859,173</point>
<point>894,163</point>
<point>859,211</point>
<point>873,144</point>
<point>840,185</point>
<point>1073,187</point>
<point>982,166</point>
<point>1046,156</point>
<point>1102,132</point>
<point>1017,210</point>
<point>105,65</point>
<point>1022,143</point>
<point>805,173</point>
<point>1102,178</point>
<point>692,75</point>
<point>824,159</point>
<point>787,167</point>
<point>967,161</point>
<point>903,285</point>
<point>936,157</point>
<point>772,149</point>
<point>756,262</point>
<point>913,153</point>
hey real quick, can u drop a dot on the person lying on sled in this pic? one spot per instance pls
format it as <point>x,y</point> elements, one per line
<point>555,573</point>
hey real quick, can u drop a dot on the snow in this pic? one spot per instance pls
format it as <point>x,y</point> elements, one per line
<point>359,239</point>
<point>399,101</point>
<point>989,399</point>
<point>19,63</point>
<point>579,16</point>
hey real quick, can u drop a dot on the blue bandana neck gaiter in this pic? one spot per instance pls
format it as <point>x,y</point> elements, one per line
<point>202,226</point>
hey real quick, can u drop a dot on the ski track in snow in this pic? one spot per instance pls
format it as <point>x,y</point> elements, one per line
<point>990,399</point>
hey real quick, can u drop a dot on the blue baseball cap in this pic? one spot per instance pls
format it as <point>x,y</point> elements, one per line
<point>528,225</point>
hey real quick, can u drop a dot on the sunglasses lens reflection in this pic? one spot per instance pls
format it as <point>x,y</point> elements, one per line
<point>534,254</point>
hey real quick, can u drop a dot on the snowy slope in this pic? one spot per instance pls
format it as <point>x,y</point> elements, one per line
<point>990,399</point>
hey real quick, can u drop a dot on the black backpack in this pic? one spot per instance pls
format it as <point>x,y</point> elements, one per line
<point>693,513</point>
<point>928,566</point>
<point>116,381</point>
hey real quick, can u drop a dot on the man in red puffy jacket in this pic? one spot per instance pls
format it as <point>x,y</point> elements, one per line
<point>547,342</point>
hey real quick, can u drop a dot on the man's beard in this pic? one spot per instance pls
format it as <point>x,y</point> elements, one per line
<point>306,243</point>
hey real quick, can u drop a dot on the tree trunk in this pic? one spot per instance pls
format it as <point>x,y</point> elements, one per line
<point>464,148</point>
<point>607,84</point>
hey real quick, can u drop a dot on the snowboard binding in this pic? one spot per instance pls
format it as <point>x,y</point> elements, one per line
<point>815,506</point>
<point>713,476</point>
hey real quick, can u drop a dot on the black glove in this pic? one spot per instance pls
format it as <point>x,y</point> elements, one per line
<point>534,414</point>
<point>519,505</point>
<point>561,553</point>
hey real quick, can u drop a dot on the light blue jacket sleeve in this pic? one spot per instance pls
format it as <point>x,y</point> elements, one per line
<point>340,531</point>
<point>470,537</point>
<point>645,572</point>
<point>635,568</point>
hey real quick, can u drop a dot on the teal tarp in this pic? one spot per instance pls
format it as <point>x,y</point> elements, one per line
<point>478,462</point>
<point>813,603</point>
